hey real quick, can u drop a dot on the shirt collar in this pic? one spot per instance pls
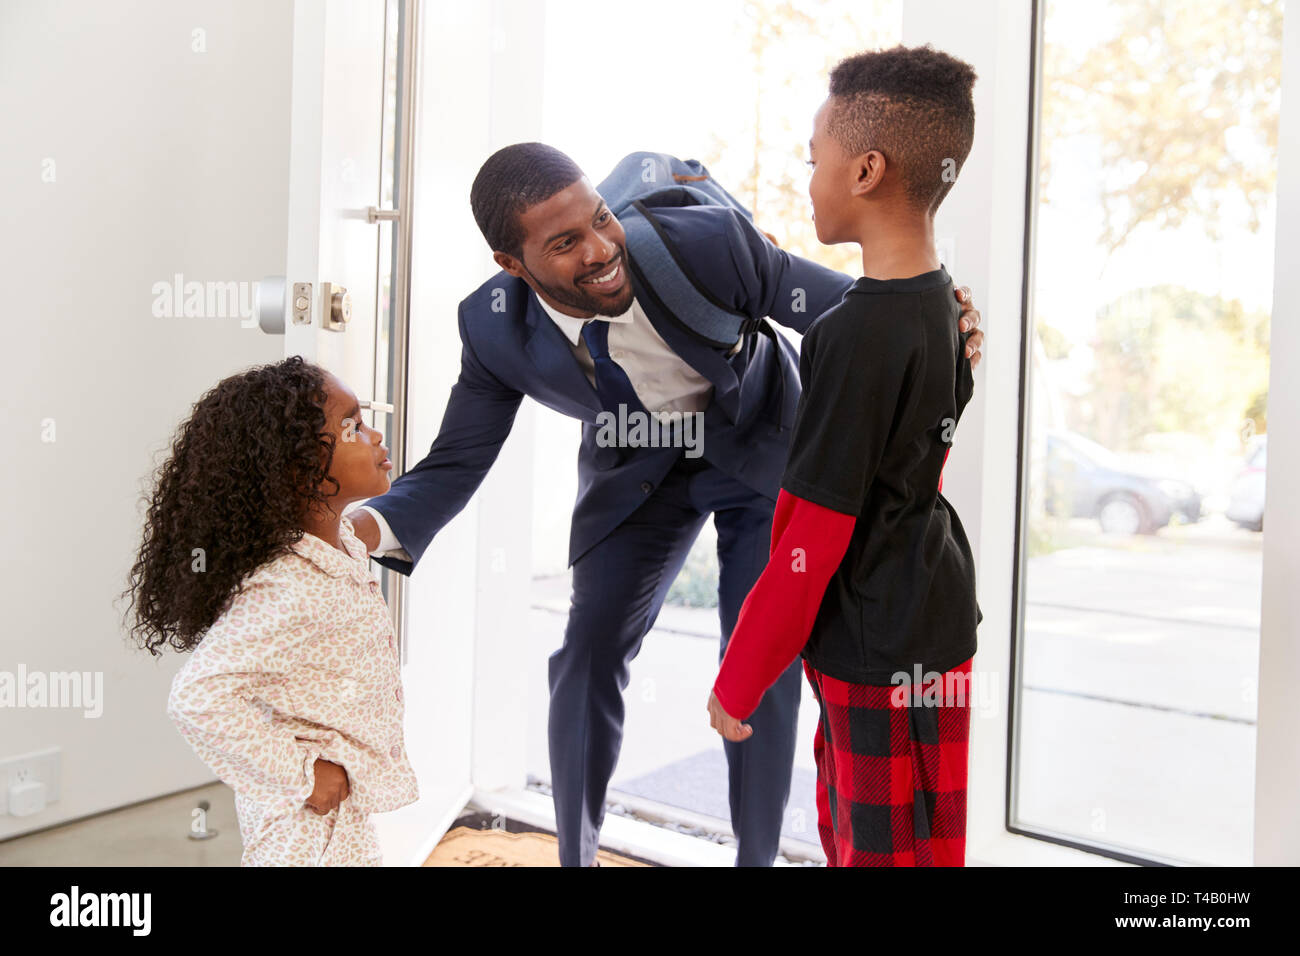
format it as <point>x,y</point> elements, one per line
<point>331,560</point>
<point>571,325</point>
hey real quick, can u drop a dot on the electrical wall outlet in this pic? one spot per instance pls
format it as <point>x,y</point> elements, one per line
<point>43,765</point>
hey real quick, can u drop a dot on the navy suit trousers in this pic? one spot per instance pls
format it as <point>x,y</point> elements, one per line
<point>618,588</point>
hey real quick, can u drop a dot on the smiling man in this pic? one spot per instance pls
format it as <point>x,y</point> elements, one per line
<point>570,322</point>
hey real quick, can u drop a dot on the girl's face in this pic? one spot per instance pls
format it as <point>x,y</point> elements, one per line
<point>360,465</point>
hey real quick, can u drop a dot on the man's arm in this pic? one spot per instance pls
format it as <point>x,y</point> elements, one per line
<point>373,529</point>
<point>789,289</point>
<point>795,290</point>
<point>476,423</point>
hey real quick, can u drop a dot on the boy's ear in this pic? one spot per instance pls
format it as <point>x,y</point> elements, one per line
<point>869,171</point>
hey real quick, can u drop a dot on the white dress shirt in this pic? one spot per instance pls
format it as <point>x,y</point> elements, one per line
<point>662,379</point>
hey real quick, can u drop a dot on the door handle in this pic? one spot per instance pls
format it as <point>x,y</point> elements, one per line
<point>273,304</point>
<point>270,305</point>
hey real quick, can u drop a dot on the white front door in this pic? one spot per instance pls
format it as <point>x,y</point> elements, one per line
<point>340,287</point>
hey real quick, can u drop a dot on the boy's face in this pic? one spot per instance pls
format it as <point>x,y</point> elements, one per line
<point>835,183</point>
<point>574,254</point>
<point>828,188</point>
<point>360,463</point>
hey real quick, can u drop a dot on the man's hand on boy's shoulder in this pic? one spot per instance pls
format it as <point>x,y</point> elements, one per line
<point>970,319</point>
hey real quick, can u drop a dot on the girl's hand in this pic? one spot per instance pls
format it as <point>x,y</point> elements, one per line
<point>331,787</point>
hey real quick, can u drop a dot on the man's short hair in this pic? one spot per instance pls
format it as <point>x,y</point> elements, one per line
<point>514,178</point>
<point>914,105</point>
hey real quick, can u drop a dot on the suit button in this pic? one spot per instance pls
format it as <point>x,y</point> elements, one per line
<point>646,487</point>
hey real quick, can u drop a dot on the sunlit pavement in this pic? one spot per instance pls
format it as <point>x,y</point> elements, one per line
<point>1140,667</point>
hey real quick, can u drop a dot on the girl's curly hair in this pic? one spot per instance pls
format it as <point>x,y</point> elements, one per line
<point>243,470</point>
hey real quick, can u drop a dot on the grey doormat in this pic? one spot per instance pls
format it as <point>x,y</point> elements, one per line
<point>699,784</point>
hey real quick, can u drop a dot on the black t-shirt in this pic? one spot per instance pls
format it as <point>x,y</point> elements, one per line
<point>885,379</point>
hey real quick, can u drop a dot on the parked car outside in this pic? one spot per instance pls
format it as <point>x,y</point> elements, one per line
<point>1246,505</point>
<point>1087,480</point>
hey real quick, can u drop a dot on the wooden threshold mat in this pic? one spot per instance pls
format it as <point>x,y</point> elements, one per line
<point>470,842</point>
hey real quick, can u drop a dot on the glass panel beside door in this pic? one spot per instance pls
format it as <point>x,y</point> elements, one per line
<point>1146,427</point>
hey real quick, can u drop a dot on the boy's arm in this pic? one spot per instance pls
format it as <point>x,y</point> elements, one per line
<point>808,544</point>
<point>215,699</point>
<point>856,372</point>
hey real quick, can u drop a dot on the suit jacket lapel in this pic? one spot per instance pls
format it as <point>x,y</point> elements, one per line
<point>553,356</point>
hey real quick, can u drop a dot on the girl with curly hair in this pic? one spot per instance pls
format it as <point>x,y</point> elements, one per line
<point>292,693</point>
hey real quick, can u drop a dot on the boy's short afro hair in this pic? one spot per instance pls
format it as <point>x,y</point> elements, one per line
<point>512,179</point>
<point>914,105</point>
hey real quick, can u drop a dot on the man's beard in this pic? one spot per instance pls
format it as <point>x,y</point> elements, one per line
<point>574,298</point>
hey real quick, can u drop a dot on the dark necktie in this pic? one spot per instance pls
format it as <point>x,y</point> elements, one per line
<point>612,384</point>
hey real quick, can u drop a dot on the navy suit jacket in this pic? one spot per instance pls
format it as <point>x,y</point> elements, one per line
<point>512,348</point>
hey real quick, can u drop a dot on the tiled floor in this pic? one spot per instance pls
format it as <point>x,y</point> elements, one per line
<point>156,833</point>
<point>153,833</point>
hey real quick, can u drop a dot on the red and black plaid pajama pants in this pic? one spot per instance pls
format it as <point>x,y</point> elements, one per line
<point>891,770</point>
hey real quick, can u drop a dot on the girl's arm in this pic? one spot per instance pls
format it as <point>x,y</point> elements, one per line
<point>217,699</point>
<point>808,544</point>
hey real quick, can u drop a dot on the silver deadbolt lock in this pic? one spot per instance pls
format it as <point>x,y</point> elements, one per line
<point>301,303</point>
<point>275,300</point>
<point>337,311</point>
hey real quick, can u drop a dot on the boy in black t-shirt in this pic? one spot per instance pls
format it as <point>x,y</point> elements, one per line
<point>870,574</point>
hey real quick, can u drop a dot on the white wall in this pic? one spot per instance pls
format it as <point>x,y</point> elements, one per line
<point>166,160</point>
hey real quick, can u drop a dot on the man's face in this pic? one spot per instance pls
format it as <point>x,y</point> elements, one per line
<point>574,254</point>
<point>831,181</point>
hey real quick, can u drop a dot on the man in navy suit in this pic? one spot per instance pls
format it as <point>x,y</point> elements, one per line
<point>571,323</point>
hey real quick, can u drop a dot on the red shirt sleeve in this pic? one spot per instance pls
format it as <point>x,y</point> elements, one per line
<point>808,543</point>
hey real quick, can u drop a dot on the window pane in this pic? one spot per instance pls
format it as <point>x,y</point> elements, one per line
<point>1147,426</point>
